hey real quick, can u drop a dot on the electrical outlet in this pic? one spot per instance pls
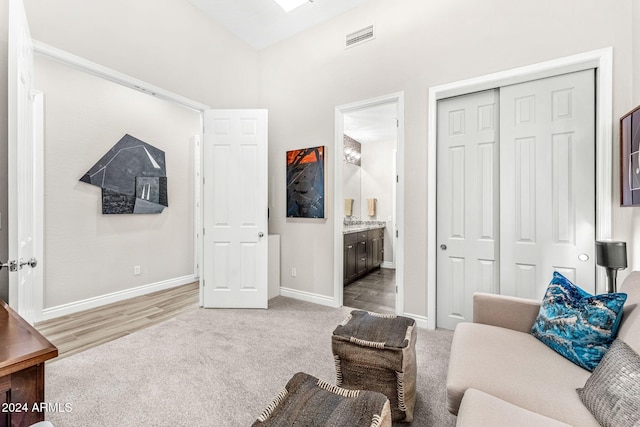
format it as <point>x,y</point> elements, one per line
<point>136,270</point>
<point>293,272</point>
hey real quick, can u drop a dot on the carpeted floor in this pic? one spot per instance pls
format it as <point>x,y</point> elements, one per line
<point>219,368</point>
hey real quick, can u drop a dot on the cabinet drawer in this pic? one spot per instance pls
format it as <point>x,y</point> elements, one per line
<point>377,233</point>
<point>350,239</point>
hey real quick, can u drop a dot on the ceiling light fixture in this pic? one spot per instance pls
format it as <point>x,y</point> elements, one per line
<point>289,5</point>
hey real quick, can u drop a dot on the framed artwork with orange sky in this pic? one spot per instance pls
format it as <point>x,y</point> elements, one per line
<point>305,183</point>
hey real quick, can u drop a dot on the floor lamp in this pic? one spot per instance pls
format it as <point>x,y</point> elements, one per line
<point>613,257</point>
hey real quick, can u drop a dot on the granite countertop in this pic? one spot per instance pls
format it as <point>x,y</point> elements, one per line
<point>354,228</point>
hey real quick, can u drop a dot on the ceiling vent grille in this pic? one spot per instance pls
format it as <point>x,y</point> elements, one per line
<point>360,36</point>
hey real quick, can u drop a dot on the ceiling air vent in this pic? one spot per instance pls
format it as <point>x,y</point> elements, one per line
<point>360,36</point>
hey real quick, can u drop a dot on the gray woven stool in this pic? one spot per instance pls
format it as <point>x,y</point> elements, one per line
<point>378,352</point>
<point>310,402</point>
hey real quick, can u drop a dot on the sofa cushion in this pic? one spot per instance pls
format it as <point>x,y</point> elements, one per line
<point>630,324</point>
<point>516,367</point>
<point>576,324</point>
<point>482,409</point>
<point>612,392</point>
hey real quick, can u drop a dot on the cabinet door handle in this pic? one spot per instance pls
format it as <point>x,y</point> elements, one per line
<point>350,247</point>
<point>363,243</point>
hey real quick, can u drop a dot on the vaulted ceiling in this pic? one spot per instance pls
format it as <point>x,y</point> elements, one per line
<point>262,23</point>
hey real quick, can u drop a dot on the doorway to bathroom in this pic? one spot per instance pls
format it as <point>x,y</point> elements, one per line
<point>368,177</point>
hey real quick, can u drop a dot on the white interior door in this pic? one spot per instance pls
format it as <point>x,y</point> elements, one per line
<point>515,201</point>
<point>547,165</point>
<point>235,209</point>
<point>467,203</point>
<point>25,233</point>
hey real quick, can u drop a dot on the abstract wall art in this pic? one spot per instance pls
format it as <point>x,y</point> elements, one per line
<point>305,183</point>
<point>630,158</point>
<point>133,178</point>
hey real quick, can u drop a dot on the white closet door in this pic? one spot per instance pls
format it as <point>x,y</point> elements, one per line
<point>468,223</point>
<point>547,182</point>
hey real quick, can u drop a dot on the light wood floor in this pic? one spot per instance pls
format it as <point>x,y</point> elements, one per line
<point>81,331</point>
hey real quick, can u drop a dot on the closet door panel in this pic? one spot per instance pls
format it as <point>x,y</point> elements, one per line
<point>547,183</point>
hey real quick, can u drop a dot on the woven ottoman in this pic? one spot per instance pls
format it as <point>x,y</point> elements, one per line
<point>378,352</point>
<point>310,402</point>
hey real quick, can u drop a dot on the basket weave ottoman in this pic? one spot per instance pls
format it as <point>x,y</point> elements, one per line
<point>310,402</point>
<point>378,352</point>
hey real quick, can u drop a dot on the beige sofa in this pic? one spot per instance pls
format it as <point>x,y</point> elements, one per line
<point>501,375</point>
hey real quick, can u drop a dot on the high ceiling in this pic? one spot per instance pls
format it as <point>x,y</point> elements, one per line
<point>375,124</point>
<point>261,23</point>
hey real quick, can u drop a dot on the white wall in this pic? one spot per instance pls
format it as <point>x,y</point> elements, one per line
<point>418,44</point>
<point>169,44</point>
<point>88,254</point>
<point>633,253</point>
<point>351,177</point>
<point>378,179</point>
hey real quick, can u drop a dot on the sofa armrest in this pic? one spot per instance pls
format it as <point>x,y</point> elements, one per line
<point>514,313</point>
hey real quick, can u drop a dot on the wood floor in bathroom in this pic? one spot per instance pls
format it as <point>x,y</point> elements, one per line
<point>374,292</point>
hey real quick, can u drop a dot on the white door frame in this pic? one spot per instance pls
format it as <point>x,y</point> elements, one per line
<point>90,67</point>
<point>602,61</point>
<point>338,247</point>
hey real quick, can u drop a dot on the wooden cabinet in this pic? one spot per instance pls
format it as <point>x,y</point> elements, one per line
<point>22,355</point>
<point>350,257</point>
<point>363,252</point>
<point>375,240</point>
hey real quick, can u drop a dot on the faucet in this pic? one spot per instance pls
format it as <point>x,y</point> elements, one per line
<point>350,220</point>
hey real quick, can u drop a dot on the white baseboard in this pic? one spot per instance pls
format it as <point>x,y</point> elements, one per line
<point>388,264</point>
<point>86,304</point>
<point>307,296</point>
<point>421,321</point>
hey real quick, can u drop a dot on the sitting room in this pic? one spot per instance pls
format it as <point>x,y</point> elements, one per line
<point>172,213</point>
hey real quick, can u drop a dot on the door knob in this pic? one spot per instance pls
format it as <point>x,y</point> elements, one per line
<point>261,234</point>
<point>31,263</point>
<point>443,247</point>
<point>17,265</point>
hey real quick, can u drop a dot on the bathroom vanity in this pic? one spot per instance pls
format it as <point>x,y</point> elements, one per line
<point>363,249</point>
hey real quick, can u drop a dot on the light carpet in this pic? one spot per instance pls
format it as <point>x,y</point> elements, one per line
<point>219,368</point>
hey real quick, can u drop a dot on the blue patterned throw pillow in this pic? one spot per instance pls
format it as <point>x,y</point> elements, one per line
<point>576,324</point>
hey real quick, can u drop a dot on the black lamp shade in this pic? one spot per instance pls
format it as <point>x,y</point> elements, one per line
<point>611,254</point>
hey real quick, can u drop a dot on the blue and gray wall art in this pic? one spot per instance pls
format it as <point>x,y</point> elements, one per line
<point>133,178</point>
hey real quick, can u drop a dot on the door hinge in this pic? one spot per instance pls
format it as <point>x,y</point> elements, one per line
<point>396,289</point>
<point>204,232</point>
<point>397,178</point>
<point>396,233</point>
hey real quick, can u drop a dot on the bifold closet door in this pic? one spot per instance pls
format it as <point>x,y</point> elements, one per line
<point>468,223</point>
<point>547,183</point>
